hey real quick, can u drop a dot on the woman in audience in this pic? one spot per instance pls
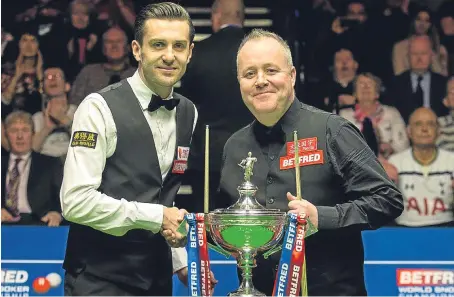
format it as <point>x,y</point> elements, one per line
<point>423,24</point>
<point>386,121</point>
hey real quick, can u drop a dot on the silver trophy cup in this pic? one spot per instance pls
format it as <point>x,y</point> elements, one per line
<point>246,228</point>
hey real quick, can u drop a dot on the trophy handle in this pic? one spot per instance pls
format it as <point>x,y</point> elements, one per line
<point>269,252</point>
<point>219,249</point>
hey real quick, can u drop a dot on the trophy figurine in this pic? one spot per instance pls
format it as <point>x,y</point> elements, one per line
<point>246,228</point>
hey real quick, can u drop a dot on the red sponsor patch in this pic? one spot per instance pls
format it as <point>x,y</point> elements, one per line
<point>306,158</point>
<point>179,166</point>
<point>304,145</point>
<point>183,153</point>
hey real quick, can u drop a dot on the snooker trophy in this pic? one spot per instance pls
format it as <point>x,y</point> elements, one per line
<point>243,230</point>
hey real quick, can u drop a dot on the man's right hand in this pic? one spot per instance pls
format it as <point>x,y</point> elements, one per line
<point>170,223</point>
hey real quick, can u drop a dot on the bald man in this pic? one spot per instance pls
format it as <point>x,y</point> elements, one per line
<point>94,77</point>
<point>426,175</point>
<point>419,86</point>
<point>212,85</point>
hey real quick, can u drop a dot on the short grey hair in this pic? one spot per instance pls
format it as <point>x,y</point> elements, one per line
<point>257,34</point>
<point>377,81</point>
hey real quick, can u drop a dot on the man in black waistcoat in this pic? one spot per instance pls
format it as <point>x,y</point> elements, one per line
<point>128,152</point>
<point>345,189</point>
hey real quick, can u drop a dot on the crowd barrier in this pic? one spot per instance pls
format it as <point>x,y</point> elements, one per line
<point>398,262</point>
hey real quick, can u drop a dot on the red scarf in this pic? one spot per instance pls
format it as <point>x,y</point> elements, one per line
<point>375,116</point>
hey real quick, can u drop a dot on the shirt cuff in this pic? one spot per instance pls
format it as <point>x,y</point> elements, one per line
<point>149,216</point>
<point>328,217</point>
<point>179,259</point>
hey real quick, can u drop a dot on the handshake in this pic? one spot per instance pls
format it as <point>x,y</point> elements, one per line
<point>170,222</point>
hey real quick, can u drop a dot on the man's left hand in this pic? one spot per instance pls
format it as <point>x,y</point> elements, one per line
<point>52,218</point>
<point>183,277</point>
<point>297,206</point>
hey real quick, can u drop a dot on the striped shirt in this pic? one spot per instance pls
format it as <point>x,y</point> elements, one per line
<point>446,138</point>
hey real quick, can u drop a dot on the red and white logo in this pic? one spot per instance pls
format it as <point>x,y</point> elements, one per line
<point>424,277</point>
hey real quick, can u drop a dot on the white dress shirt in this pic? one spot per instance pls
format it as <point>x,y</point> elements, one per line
<point>425,85</point>
<point>82,203</point>
<point>56,143</point>
<point>24,171</point>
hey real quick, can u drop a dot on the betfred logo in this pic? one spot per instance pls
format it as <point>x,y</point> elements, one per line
<point>424,277</point>
<point>14,276</point>
<point>307,158</point>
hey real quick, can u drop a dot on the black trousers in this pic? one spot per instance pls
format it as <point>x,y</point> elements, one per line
<point>87,284</point>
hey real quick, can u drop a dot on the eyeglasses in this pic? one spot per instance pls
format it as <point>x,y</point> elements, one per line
<point>53,76</point>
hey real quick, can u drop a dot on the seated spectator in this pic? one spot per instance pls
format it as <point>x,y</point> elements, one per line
<point>423,24</point>
<point>426,175</point>
<point>81,38</point>
<point>119,13</point>
<point>350,30</point>
<point>7,44</point>
<point>419,86</point>
<point>30,181</point>
<point>337,91</point>
<point>446,17</point>
<point>386,120</point>
<point>97,76</point>
<point>446,138</point>
<point>21,86</point>
<point>53,123</point>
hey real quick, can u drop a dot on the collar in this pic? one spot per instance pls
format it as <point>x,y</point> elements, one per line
<point>13,157</point>
<point>435,157</point>
<point>284,126</point>
<point>415,75</point>
<point>229,25</point>
<point>142,92</point>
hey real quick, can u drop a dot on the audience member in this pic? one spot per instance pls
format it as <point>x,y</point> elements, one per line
<point>446,138</point>
<point>446,16</point>
<point>81,38</point>
<point>30,181</point>
<point>418,86</point>
<point>119,13</point>
<point>21,86</point>
<point>211,83</point>
<point>426,175</point>
<point>386,120</point>
<point>337,91</point>
<point>422,25</point>
<point>94,77</point>
<point>349,31</point>
<point>53,123</point>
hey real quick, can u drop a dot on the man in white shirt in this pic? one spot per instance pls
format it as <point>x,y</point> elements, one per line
<point>30,181</point>
<point>127,155</point>
<point>426,175</point>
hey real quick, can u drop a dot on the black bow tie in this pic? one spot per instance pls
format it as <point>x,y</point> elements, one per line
<point>157,102</point>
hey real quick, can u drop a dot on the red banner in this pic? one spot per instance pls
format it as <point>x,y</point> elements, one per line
<point>203,253</point>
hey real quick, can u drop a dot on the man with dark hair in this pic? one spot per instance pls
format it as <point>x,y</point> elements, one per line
<point>127,154</point>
